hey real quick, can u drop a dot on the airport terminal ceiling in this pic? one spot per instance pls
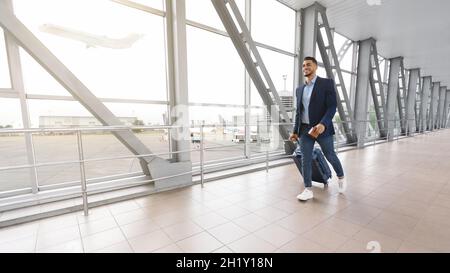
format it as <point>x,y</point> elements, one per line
<point>414,29</point>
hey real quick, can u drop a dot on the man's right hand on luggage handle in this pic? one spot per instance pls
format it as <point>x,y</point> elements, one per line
<point>294,138</point>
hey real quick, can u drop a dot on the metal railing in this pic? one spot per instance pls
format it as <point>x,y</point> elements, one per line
<point>82,160</point>
<point>202,149</point>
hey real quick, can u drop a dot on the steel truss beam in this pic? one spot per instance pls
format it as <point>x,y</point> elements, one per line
<point>314,20</point>
<point>239,33</point>
<point>377,87</point>
<point>369,75</point>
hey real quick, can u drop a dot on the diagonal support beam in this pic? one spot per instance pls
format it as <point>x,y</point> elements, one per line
<point>378,91</point>
<point>74,86</point>
<point>247,50</point>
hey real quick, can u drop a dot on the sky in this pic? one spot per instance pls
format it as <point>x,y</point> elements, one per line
<point>215,71</point>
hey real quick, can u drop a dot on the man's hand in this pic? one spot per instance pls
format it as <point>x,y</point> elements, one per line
<point>294,138</point>
<point>319,128</point>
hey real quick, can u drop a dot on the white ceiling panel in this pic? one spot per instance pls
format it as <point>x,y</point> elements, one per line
<point>418,30</point>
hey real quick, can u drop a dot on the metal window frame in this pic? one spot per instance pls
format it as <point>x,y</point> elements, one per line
<point>17,84</point>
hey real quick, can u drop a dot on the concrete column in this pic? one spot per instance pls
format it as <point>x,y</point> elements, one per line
<point>248,81</point>
<point>308,35</point>
<point>362,90</point>
<point>395,65</point>
<point>441,105</point>
<point>411,99</point>
<point>177,78</point>
<point>446,109</point>
<point>434,105</point>
<point>425,102</point>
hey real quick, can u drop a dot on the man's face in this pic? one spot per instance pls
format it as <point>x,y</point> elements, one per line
<point>309,68</point>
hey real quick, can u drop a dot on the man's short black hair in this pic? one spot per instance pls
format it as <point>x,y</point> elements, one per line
<point>310,59</point>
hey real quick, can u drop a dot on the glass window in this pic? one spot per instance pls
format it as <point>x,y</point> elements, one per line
<point>321,72</point>
<point>107,145</point>
<point>113,58</point>
<point>16,179</point>
<point>228,132</point>
<point>53,113</point>
<point>347,80</point>
<point>215,114</point>
<point>266,136</point>
<point>156,4</point>
<point>274,24</point>
<point>49,175</point>
<point>37,80</point>
<point>51,147</point>
<point>57,146</point>
<point>347,61</point>
<point>318,55</point>
<point>11,116</point>
<point>382,67</point>
<point>338,40</point>
<point>203,11</point>
<point>4,71</point>
<point>13,150</point>
<point>216,72</point>
<point>139,114</point>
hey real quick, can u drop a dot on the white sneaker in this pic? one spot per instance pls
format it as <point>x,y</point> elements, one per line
<point>342,185</point>
<point>305,195</point>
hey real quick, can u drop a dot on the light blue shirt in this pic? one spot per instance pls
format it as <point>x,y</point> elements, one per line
<point>306,98</point>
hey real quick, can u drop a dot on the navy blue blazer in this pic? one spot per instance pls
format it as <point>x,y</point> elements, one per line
<point>322,106</point>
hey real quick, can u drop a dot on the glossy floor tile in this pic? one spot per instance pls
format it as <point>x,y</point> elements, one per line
<point>398,200</point>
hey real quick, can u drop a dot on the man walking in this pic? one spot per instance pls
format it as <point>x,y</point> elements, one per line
<point>316,106</point>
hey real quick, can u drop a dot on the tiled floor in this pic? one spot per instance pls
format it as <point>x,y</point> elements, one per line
<point>398,200</point>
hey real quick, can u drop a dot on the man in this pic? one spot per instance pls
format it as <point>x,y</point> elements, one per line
<point>316,106</point>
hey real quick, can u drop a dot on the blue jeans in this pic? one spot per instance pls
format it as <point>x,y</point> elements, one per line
<point>306,147</point>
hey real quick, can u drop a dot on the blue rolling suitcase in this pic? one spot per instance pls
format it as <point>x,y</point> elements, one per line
<point>320,170</point>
